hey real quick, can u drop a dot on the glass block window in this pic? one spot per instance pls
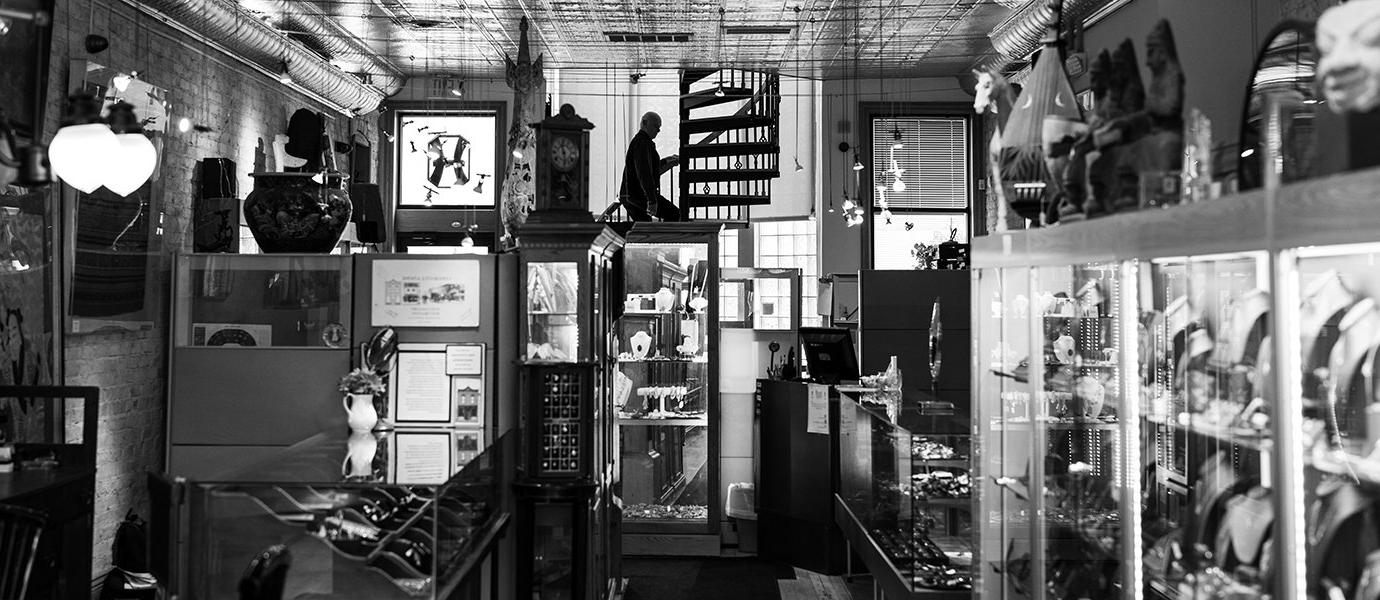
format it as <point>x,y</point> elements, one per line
<point>730,294</point>
<point>787,244</point>
<point>728,248</point>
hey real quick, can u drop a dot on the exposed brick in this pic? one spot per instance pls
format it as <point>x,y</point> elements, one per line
<point>130,367</point>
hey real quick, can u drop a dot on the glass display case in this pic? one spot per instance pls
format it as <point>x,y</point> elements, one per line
<point>905,502</point>
<point>1204,422</point>
<point>269,300</point>
<point>364,515</point>
<point>567,517</point>
<point>665,386</point>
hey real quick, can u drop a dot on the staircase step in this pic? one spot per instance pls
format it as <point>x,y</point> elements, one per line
<point>712,175</point>
<point>712,124</point>
<point>707,97</point>
<point>726,200</point>
<point>693,75</point>
<point>734,149</point>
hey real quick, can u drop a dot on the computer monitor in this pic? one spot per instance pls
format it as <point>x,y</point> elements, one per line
<point>828,354</point>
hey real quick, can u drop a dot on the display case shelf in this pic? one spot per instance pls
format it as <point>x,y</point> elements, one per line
<point>1214,302</point>
<point>701,422</point>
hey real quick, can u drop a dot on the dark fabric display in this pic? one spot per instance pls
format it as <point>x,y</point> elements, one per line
<point>1343,532</point>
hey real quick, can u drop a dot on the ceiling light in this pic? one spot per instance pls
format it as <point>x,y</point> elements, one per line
<point>458,89</point>
<point>184,124</point>
<point>897,185</point>
<point>468,242</point>
<point>896,143</point>
<point>1247,152</point>
<point>798,168</point>
<point>81,151</point>
<point>479,187</point>
<point>719,90</point>
<point>284,76</point>
<point>121,82</point>
<point>4,26</point>
<point>857,163</point>
<point>848,204</point>
<point>517,153</point>
<point>136,159</point>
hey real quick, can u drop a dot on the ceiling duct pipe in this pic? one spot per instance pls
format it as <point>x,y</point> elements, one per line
<point>1018,36</point>
<point>226,24</point>
<point>342,44</point>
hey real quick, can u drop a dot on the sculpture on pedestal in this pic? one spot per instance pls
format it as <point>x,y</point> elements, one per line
<point>525,77</point>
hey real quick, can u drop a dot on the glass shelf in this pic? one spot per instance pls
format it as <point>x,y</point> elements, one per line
<point>278,300</point>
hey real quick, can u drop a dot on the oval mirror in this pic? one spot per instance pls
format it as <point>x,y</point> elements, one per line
<point>1283,77</point>
<point>378,353</point>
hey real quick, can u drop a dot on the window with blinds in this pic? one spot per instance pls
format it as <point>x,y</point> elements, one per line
<point>921,163</point>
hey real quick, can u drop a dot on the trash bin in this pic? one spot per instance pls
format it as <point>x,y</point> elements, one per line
<point>740,507</point>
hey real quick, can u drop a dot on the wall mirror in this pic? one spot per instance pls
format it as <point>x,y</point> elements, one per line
<point>1282,79</point>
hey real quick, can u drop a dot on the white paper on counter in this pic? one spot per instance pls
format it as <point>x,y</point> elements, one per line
<point>817,419</point>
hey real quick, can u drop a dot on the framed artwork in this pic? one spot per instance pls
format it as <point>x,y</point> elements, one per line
<point>113,252</point>
<point>445,158</point>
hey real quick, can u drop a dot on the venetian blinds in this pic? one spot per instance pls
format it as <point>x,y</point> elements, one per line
<point>932,163</point>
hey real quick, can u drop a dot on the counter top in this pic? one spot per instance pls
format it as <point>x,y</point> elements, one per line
<point>23,482</point>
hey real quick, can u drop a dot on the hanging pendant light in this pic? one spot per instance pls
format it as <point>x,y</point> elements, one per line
<point>81,151</point>
<point>719,90</point>
<point>857,162</point>
<point>122,81</point>
<point>284,75</point>
<point>136,158</point>
<point>897,185</point>
<point>467,242</point>
<point>896,142</point>
<point>479,187</point>
<point>798,168</point>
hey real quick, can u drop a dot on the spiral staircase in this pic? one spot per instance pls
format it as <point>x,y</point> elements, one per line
<point>729,142</point>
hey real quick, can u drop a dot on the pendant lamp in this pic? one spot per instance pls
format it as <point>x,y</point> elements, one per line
<point>134,162</point>
<point>82,152</point>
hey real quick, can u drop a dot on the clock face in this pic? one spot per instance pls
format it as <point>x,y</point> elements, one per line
<point>564,154</point>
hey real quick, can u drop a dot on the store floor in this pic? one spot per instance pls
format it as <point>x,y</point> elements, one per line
<point>744,578</point>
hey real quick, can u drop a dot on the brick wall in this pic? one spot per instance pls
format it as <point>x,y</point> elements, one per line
<point>246,109</point>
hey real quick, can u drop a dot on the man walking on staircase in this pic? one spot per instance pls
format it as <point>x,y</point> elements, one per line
<point>641,189</point>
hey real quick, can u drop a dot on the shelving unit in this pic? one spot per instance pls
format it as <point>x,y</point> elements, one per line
<point>1211,311</point>
<point>666,389</point>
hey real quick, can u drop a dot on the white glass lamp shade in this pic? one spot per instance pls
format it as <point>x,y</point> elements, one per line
<point>83,155</point>
<point>133,164</point>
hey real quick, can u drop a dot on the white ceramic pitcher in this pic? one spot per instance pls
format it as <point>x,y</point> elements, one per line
<point>359,411</point>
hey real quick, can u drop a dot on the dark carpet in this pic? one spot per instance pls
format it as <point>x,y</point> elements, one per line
<point>695,579</point>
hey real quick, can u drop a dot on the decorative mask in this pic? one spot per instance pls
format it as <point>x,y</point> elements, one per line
<point>1349,41</point>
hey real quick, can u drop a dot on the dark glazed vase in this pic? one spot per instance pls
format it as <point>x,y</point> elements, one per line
<point>288,212</point>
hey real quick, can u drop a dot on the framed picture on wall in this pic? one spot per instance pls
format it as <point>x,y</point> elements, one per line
<point>445,158</point>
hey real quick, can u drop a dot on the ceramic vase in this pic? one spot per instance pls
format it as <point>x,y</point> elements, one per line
<point>289,212</point>
<point>359,459</point>
<point>360,413</point>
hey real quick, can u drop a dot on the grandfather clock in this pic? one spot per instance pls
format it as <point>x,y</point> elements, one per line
<point>562,168</point>
<point>567,518</point>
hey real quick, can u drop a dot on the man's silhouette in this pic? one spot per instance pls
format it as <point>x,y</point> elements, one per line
<point>641,189</point>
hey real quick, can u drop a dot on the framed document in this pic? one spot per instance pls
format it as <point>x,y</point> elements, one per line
<point>420,391</point>
<point>425,293</point>
<point>420,457</point>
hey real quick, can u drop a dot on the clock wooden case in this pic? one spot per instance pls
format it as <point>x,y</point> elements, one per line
<point>562,190</point>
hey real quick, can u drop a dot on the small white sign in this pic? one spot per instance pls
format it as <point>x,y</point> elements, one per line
<point>817,419</point>
<point>465,359</point>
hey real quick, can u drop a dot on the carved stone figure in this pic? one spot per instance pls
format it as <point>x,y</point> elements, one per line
<point>1350,64</point>
<point>529,100</point>
<point>1075,182</point>
<point>1110,177</point>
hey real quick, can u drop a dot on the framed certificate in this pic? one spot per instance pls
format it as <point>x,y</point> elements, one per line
<point>420,457</point>
<point>419,390</point>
